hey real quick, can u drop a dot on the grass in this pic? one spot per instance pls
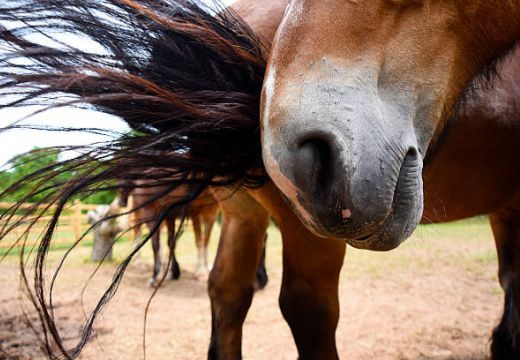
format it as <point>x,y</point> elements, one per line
<point>467,244</point>
<point>59,244</point>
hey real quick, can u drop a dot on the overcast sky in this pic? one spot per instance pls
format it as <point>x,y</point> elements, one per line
<point>14,142</point>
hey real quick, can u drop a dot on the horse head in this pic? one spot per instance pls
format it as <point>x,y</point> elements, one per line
<point>356,93</point>
<point>124,189</point>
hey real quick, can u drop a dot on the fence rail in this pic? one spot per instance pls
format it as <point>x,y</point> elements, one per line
<point>73,222</point>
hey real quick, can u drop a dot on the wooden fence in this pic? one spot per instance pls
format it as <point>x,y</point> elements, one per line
<point>72,224</point>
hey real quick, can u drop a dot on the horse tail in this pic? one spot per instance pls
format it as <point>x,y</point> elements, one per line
<point>185,76</point>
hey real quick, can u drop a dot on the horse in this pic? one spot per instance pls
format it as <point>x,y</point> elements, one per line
<point>339,73</point>
<point>203,212</point>
<point>346,126</point>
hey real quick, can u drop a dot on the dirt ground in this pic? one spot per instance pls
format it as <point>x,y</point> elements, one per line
<point>435,297</point>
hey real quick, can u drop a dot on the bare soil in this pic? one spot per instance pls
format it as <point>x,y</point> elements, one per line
<point>436,297</point>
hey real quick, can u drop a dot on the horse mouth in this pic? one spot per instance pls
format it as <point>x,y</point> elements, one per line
<point>389,232</point>
<point>375,241</point>
<point>366,237</point>
<point>404,215</point>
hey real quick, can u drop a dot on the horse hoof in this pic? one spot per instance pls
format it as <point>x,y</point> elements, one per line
<point>201,274</point>
<point>176,273</point>
<point>502,344</point>
<point>152,283</point>
<point>505,341</point>
<point>261,280</point>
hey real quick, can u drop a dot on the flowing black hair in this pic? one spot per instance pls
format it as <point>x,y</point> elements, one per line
<point>185,76</point>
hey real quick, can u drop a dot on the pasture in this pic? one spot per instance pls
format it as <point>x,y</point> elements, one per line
<point>435,297</point>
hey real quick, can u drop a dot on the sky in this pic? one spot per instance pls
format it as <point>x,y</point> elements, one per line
<point>15,142</point>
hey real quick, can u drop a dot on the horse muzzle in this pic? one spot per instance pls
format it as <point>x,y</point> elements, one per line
<point>365,191</point>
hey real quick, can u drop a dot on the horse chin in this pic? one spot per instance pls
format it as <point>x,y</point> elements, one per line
<point>397,227</point>
<point>402,220</point>
<point>389,236</point>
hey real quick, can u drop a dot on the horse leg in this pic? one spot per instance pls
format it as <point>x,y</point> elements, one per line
<point>200,274</point>
<point>135,223</point>
<point>506,336</point>
<point>311,268</point>
<point>309,294</point>
<point>156,247</point>
<point>209,222</point>
<point>231,281</point>
<point>172,242</point>
<point>261,272</point>
<point>137,234</point>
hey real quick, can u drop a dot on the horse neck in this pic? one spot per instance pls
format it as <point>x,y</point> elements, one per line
<point>263,17</point>
<point>491,28</point>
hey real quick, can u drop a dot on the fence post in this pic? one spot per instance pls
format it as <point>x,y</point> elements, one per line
<point>77,220</point>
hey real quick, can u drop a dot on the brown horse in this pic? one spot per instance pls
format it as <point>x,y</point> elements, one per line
<point>202,211</point>
<point>357,94</point>
<point>354,99</point>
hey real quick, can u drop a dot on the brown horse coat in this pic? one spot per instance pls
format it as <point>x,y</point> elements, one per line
<point>475,171</point>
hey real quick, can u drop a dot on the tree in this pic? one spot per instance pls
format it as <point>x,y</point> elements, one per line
<point>31,162</point>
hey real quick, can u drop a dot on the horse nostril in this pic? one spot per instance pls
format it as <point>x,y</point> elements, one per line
<point>412,154</point>
<point>410,160</point>
<point>315,152</point>
<point>312,163</point>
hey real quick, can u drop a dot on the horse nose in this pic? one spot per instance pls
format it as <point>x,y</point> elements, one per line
<point>341,200</point>
<point>123,202</point>
<point>314,165</point>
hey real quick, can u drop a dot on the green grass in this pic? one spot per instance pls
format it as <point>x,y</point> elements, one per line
<point>54,247</point>
<point>468,244</point>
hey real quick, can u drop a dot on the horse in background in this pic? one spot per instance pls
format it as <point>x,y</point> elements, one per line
<point>203,212</point>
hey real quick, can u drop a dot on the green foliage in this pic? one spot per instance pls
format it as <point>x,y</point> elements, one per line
<point>32,162</point>
<point>101,197</point>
